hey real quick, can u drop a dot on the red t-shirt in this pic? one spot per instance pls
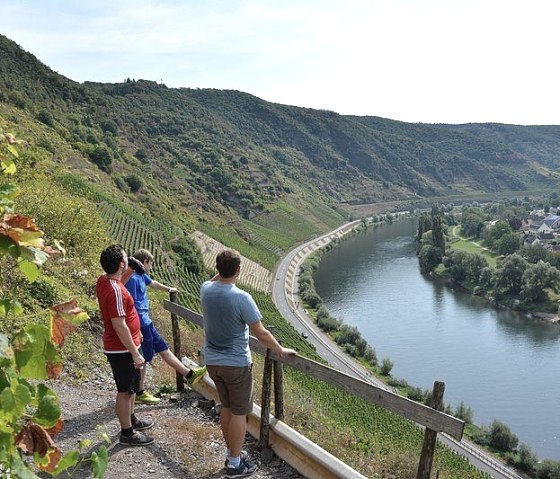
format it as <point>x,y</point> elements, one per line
<point>115,301</point>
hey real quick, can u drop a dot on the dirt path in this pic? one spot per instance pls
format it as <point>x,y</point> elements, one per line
<point>188,442</point>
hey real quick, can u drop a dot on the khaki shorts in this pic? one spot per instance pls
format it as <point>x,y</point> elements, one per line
<point>235,387</point>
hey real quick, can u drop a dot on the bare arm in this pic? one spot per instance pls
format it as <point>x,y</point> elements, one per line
<point>162,287</point>
<point>120,327</point>
<point>266,337</point>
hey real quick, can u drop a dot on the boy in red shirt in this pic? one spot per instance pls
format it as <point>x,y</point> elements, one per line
<point>121,342</point>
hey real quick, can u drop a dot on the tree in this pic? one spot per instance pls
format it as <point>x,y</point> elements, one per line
<point>501,437</point>
<point>465,413</point>
<point>438,237</point>
<point>493,233</point>
<point>533,253</point>
<point>429,257</point>
<point>548,470</point>
<point>536,279</point>
<point>527,459</point>
<point>509,275</point>
<point>472,222</point>
<point>508,244</point>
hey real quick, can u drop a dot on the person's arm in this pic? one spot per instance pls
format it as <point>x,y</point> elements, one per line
<point>266,337</point>
<point>162,287</point>
<point>120,327</point>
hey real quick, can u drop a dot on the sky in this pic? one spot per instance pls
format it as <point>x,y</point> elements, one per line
<point>429,61</point>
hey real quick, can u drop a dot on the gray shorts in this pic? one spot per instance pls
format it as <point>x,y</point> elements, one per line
<point>235,387</point>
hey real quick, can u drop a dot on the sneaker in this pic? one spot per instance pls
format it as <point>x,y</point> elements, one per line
<point>196,375</point>
<point>245,469</point>
<point>137,439</point>
<point>244,456</point>
<point>146,398</point>
<point>141,424</point>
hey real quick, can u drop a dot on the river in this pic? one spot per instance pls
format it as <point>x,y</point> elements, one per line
<point>500,363</point>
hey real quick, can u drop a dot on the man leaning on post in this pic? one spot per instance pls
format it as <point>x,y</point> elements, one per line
<point>229,313</point>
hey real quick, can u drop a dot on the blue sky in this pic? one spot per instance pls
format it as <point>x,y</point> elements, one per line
<point>432,61</point>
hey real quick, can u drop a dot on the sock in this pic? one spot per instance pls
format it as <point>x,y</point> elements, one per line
<point>234,461</point>
<point>189,374</point>
<point>127,432</point>
<point>139,393</point>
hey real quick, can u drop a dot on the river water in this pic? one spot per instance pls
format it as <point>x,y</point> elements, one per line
<point>500,363</point>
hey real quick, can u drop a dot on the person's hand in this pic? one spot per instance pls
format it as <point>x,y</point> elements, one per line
<point>284,352</point>
<point>173,290</point>
<point>138,361</point>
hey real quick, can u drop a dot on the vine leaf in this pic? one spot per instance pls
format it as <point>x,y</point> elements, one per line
<point>65,318</point>
<point>36,357</point>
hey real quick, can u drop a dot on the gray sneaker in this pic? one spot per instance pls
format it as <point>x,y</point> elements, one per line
<point>244,469</point>
<point>136,439</point>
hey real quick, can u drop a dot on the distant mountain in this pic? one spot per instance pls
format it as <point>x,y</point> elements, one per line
<point>221,158</point>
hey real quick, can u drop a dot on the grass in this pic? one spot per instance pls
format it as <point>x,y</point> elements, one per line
<point>469,246</point>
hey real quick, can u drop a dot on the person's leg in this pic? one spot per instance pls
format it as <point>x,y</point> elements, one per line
<point>236,429</point>
<point>123,408</point>
<point>174,362</point>
<point>142,378</point>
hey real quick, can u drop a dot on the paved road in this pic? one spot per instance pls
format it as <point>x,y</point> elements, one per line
<point>284,293</point>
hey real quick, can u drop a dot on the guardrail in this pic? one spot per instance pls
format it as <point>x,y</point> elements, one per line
<point>432,419</point>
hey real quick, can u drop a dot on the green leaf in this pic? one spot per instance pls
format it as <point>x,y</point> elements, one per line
<point>70,459</point>
<point>8,166</point>
<point>6,442</point>
<point>19,469</point>
<point>15,399</point>
<point>10,306</point>
<point>8,192</point>
<point>8,246</point>
<point>99,462</point>
<point>84,444</point>
<point>48,410</point>
<point>29,269</point>
<point>13,151</point>
<point>34,352</point>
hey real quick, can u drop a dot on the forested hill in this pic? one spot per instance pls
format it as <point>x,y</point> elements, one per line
<point>272,174</point>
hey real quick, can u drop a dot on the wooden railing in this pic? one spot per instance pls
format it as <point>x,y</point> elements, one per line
<point>433,420</point>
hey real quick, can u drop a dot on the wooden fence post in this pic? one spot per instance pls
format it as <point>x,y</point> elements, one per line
<point>176,342</point>
<point>265,408</point>
<point>278,390</point>
<point>430,437</point>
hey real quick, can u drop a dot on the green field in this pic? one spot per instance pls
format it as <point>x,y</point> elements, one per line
<point>470,246</point>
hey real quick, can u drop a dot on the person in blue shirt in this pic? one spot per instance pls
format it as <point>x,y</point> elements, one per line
<point>229,313</point>
<point>152,342</point>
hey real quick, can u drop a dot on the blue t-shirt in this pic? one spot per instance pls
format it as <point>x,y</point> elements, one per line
<point>227,312</point>
<point>136,286</point>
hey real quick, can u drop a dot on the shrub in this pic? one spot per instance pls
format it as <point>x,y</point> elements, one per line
<point>121,184</point>
<point>101,156</point>
<point>189,254</point>
<point>45,116</point>
<point>501,437</point>
<point>386,366</point>
<point>134,182</point>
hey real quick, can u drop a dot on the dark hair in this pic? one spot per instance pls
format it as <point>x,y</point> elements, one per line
<point>111,258</point>
<point>227,263</point>
<point>143,255</point>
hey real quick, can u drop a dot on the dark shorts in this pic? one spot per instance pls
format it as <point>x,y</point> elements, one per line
<point>127,377</point>
<point>235,387</point>
<point>152,342</point>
